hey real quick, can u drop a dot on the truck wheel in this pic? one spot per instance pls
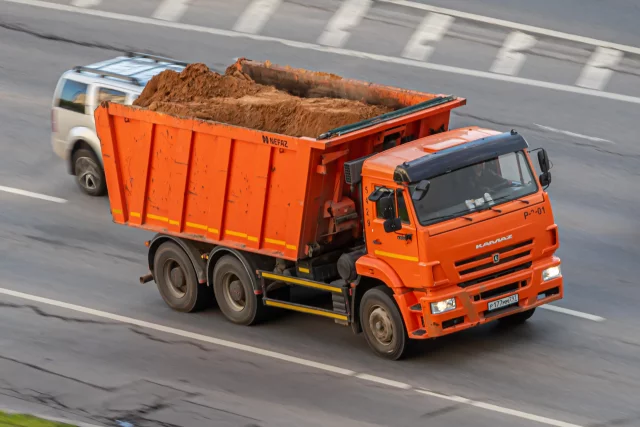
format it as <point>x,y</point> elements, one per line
<point>177,279</point>
<point>234,292</point>
<point>89,174</point>
<point>382,324</point>
<point>517,319</point>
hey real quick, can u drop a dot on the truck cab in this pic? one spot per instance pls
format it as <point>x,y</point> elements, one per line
<point>461,228</point>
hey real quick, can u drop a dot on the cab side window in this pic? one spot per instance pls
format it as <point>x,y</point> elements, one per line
<point>111,95</point>
<point>73,96</point>
<point>403,213</point>
<point>401,206</point>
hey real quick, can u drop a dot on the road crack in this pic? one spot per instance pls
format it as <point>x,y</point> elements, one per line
<point>154,338</point>
<point>42,313</point>
<point>47,371</point>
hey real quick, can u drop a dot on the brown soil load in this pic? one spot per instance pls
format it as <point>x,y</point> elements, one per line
<point>236,99</point>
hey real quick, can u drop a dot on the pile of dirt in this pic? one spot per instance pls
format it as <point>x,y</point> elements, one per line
<point>236,99</point>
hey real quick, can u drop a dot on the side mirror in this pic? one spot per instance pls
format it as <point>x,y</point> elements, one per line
<point>392,224</point>
<point>543,159</point>
<point>387,205</point>
<point>545,179</point>
<point>421,190</point>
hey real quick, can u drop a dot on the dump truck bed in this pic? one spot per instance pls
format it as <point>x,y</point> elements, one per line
<point>253,190</point>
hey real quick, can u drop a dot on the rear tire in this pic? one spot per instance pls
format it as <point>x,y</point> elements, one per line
<point>89,174</point>
<point>382,324</point>
<point>517,319</point>
<point>177,280</point>
<point>234,292</point>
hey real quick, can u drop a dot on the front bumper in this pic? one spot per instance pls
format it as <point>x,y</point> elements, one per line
<point>472,303</point>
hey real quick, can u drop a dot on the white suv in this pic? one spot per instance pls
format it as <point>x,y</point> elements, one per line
<point>79,92</point>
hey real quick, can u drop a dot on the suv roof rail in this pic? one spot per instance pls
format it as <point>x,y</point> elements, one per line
<point>156,58</point>
<point>102,73</point>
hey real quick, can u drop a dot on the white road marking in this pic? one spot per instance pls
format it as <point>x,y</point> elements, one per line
<point>348,16</point>
<point>510,57</point>
<point>86,3</point>
<point>574,134</point>
<point>599,69</point>
<point>385,381</point>
<point>453,398</point>
<point>171,10</point>
<point>520,414</point>
<point>515,25</point>
<point>31,194</point>
<point>256,15</point>
<point>432,28</point>
<point>573,313</point>
<point>278,356</point>
<point>333,50</point>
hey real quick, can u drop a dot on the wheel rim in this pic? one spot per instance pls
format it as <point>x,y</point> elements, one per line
<point>233,292</point>
<point>381,325</point>
<point>175,278</point>
<point>88,173</point>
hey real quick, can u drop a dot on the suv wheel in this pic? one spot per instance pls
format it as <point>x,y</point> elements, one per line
<point>89,173</point>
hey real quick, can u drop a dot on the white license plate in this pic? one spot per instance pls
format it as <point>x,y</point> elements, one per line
<point>503,302</point>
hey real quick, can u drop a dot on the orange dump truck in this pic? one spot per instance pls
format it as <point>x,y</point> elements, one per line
<point>407,230</point>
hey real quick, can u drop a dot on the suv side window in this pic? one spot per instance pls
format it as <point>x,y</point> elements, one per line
<point>111,95</point>
<point>73,96</point>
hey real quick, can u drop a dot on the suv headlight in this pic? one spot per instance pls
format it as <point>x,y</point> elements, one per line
<point>443,306</point>
<point>551,273</point>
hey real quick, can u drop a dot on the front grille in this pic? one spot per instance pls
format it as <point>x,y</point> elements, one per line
<point>492,264</point>
<point>490,254</point>
<point>500,291</point>
<point>485,261</point>
<point>494,275</point>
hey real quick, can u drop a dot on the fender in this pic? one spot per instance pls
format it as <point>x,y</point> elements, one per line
<point>89,137</point>
<point>190,249</point>
<point>376,268</point>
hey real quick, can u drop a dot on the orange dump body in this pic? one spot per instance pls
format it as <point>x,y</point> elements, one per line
<point>257,191</point>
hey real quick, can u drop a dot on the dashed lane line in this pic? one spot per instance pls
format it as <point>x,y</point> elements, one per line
<point>574,313</point>
<point>171,10</point>
<point>348,16</point>
<point>574,134</point>
<point>31,194</point>
<point>514,25</point>
<point>284,357</point>
<point>331,50</point>
<point>256,15</point>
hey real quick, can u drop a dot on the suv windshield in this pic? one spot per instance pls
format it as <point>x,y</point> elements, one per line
<point>475,188</point>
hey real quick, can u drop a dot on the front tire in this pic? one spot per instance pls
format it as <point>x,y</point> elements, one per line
<point>177,280</point>
<point>234,292</point>
<point>382,324</point>
<point>89,174</point>
<point>517,319</point>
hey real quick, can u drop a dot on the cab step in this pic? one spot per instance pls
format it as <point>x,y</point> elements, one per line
<point>339,290</point>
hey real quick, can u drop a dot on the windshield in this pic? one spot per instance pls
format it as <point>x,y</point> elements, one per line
<point>475,188</point>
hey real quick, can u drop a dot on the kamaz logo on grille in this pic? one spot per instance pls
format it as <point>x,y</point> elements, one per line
<point>493,242</point>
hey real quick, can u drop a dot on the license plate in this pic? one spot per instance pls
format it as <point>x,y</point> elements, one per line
<point>503,302</point>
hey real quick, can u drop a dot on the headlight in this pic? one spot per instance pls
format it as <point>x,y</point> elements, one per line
<point>443,306</point>
<point>551,273</point>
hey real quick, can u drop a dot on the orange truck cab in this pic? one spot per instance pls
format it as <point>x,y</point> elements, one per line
<point>459,226</point>
<point>406,230</point>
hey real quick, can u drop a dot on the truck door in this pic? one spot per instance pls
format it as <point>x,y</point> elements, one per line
<point>398,248</point>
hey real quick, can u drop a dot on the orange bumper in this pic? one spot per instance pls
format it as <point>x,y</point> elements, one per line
<point>472,304</point>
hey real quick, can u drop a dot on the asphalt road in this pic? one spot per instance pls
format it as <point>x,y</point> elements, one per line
<point>85,367</point>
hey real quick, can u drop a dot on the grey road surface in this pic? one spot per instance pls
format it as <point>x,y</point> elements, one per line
<point>558,366</point>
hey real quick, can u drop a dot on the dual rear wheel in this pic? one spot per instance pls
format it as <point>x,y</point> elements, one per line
<point>178,284</point>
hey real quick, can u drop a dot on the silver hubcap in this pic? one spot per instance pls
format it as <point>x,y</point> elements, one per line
<point>174,276</point>
<point>88,173</point>
<point>233,292</point>
<point>381,325</point>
